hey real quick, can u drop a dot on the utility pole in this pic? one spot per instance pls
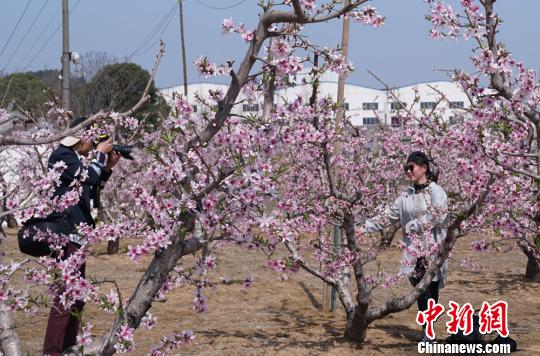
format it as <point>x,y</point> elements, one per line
<point>339,126</point>
<point>341,82</point>
<point>65,55</point>
<point>183,46</point>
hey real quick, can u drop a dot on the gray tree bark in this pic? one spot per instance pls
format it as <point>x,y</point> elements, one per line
<point>9,340</point>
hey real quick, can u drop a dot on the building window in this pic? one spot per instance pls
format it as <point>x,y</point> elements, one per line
<point>453,120</point>
<point>396,121</point>
<point>250,107</point>
<point>457,105</point>
<point>397,106</point>
<point>370,106</point>
<point>194,108</point>
<point>346,106</point>
<point>427,105</point>
<point>370,121</point>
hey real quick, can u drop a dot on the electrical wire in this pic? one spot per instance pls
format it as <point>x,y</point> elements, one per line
<point>162,25</point>
<point>49,39</point>
<point>15,28</point>
<point>26,34</point>
<point>220,8</point>
<point>41,33</point>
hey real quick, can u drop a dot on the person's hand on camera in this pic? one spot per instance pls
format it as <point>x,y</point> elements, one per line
<point>105,146</point>
<point>112,160</point>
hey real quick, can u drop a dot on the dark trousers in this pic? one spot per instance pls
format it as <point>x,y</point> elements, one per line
<point>431,292</point>
<point>63,325</point>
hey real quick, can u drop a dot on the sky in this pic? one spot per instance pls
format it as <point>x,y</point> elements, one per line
<point>401,52</point>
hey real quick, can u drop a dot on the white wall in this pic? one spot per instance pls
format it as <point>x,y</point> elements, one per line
<point>356,96</point>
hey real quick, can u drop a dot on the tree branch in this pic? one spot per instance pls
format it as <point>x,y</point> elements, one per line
<point>10,140</point>
<point>292,17</point>
<point>298,258</point>
<point>298,10</point>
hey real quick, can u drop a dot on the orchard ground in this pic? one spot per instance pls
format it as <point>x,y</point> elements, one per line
<point>285,317</point>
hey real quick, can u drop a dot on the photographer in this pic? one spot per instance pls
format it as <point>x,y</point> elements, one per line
<point>63,325</point>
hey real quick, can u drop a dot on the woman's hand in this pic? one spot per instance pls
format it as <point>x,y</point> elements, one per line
<point>105,146</point>
<point>112,160</point>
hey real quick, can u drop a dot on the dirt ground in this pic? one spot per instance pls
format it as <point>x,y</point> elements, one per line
<point>285,318</point>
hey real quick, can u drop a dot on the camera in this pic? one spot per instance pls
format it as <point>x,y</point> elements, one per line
<point>124,150</point>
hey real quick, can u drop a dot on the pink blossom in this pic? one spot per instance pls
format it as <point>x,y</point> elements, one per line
<point>149,321</point>
<point>368,16</point>
<point>85,336</point>
<point>227,26</point>
<point>173,342</point>
<point>280,48</point>
<point>125,341</point>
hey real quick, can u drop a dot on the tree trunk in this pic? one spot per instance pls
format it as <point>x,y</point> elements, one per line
<point>152,280</point>
<point>357,323</point>
<point>387,236</point>
<point>112,246</point>
<point>11,221</point>
<point>9,340</point>
<point>356,328</point>
<point>532,273</point>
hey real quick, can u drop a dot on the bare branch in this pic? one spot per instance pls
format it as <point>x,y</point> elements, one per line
<point>298,258</point>
<point>528,155</point>
<point>292,17</point>
<point>9,140</point>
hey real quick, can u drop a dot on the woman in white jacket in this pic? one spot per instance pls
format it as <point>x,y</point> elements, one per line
<point>413,209</point>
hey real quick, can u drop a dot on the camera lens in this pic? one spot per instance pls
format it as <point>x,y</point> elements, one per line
<point>125,151</point>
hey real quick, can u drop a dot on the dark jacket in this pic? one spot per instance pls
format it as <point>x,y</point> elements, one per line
<point>81,212</point>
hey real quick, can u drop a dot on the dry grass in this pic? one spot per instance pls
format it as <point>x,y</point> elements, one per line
<point>275,317</point>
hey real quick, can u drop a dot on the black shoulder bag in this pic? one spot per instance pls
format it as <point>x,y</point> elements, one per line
<point>38,248</point>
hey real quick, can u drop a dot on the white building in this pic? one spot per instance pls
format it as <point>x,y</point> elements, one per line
<point>364,106</point>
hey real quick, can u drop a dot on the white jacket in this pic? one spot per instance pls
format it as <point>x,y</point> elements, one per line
<point>409,210</point>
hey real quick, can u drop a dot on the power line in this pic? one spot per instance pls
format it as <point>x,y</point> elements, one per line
<point>165,26</point>
<point>49,39</point>
<point>164,21</point>
<point>162,25</point>
<point>41,33</point>
<point>220,8</point>
<point>26,34</point>
<point>15,28</point>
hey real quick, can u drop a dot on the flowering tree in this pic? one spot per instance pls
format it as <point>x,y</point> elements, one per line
<point>205,179</point>
<point>207,172</point>
<point>324,187</point>
<point>506,116</point>
<point>27,188</point>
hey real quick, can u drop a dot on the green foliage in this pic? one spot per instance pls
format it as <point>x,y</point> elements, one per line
<point>51,78</point>
<point>28,91</point>
<point>119,87</point>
